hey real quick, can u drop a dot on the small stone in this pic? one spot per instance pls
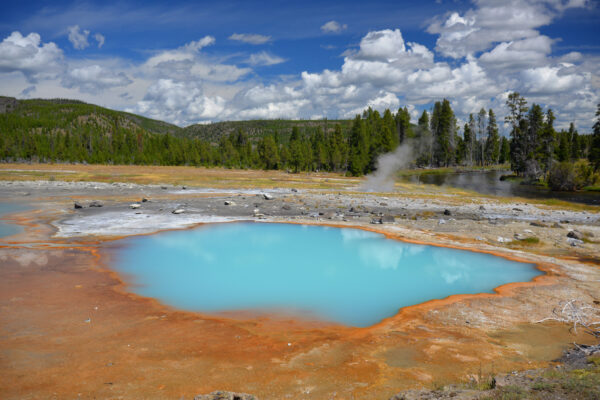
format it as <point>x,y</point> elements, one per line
<point>294,190</point>
<point>135,206</point>
<point>229,203</point>
<point>447,212</point>
<point>574,242</point>
<point>178,211</point>
<point>517,209</point>
<point>267,196</point>
<point>184,188</point>
<point>144,200</point>
<point>286,207</point>
<point>557,225</point>
<point>164,187</point>
<point>482,208</point>
<point>95,204</point>
<point>575,234</point>
<point>376,221</point>
<point>77,205</point>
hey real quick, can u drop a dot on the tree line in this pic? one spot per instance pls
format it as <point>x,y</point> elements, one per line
<point>533,148</point>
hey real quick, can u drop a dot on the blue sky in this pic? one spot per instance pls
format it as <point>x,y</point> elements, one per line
<point>190,62</point>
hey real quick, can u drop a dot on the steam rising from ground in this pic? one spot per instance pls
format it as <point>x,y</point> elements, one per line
<point>382,180</point>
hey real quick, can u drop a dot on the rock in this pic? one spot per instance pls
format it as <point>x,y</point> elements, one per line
<point>482,208</point>
<point>503,239</point>
<point>575,234</point>
<point>538,224</point>
<point>178,211</point>
<point>329,215</point>
<point>294,190</point>
<point>564,221</point>
<point>557,225</point>
<point>77,205</point>
<point>529,231</point>
<point>388,219</point>
<point>517,209</point>
<point>164,187</point>
<point>520,236</point>
<point>135,206</point>
<point>286,207</point>
<point>442,221</point>
<point>144,200</point>
<point>574,242</point>
<point>222,395</point>
<point>184,188</point>
<point>229,203</point>
<point>376,221</point>
<point>95,204</point>
<point>447,212</point>
<point>267,196</point>
<point>383,204</point>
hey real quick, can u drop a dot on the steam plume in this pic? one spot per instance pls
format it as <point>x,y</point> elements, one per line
<point>382,179</point>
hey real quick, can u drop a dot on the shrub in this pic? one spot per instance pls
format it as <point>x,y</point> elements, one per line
<point>568,176</point>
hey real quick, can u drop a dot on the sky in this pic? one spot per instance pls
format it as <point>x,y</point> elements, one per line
<point>204,61</point>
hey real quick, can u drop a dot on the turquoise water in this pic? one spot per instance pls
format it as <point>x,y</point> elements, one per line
<point>7,229</point>
<point>349,276</point>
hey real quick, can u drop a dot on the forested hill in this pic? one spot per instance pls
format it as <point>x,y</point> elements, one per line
<point>256,129</point>
<point>65,114</point>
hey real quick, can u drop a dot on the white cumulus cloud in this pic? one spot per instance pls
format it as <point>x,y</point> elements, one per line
<point>28,55</point>
<point>251,38</point>
<point>94,78</point>
<point>333,27</point>
<point>100,39</point>
<point>264,58</point>
<point>78,38</point>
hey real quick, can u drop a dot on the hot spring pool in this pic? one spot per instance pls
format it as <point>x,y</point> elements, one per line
<point>7,229</point>
<point>349,276</point>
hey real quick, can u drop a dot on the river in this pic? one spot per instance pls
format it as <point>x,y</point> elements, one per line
<point>489,182</point>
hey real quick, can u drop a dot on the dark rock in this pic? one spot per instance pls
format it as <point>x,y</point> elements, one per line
<point>447,212</point>
<point>184,188</point>
<point>229,203</point>
<point>388,219</point>
<point>96,204</point>
<point>538,224</point>
<point>164,187</point>
<point>575,234</point>
<point>222,395</point>
<point>383,204</point>
<point>564,221</point>
<point>376,221</point>
<point>286,207</point>
<point>77,205</point>
<point>517,209</point>
<point>294,190</point>
<point>144,200</point>
<point>482,208</point>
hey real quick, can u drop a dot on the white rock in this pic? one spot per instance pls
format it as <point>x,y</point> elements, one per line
<point>178,211</point>
<point>134,206</point>
<point>267,196</point>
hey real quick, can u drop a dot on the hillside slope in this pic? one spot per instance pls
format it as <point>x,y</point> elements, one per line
<point>67,114</point>
<point>256,129</point>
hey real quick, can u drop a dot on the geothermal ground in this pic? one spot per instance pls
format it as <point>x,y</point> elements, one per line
<point>70,327</point>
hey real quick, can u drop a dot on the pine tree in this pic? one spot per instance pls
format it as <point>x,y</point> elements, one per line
<point>492,144</point>
<point>547,139</point>
<point>594,152</point>
<point>504,151</point>
<point>481,133</point>
<point>359,148</point>
<point>517,107</point>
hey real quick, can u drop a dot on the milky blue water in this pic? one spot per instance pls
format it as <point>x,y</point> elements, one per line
<point>6,228</point>
<point>349,276</point>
